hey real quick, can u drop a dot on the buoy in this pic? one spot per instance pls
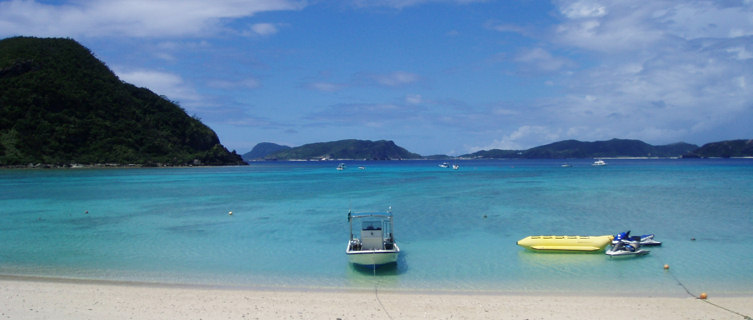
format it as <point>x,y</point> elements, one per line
<point>230,213</point>
<point>666,267</point>
<point>86,212</point>
<point>692,239</point>
<point>703,295</point>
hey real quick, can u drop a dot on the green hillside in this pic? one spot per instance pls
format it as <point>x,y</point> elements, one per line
<point>60,105</point>
<point>345,149</point>
<point>597,149</point>
<point>262,149</point>
<point>724,149</point>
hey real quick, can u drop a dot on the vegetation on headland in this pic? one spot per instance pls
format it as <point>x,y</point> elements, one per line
<point>615,148</point>
<point>597,149</point>
<point>345,149</point>
<point>262,149</point>
<point>724,149</point>
<point>60,105</point>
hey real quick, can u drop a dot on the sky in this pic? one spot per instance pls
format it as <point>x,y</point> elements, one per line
<point>434,76</point>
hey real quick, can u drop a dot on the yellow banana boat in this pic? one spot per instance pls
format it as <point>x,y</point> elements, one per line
<point>565,243</point>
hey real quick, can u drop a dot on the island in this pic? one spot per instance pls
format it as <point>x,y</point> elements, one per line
<point>61,106</point>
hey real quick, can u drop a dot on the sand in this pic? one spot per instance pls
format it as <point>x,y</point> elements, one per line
<point>34,298</point>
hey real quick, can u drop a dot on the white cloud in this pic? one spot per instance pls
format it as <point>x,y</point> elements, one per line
<point>413,99</point>
<point>542,60</point>
<point>660,71</point>
<point>133,18</point>
<point>522,138</point>
<point>613,25</point>
<point>325,86</point>
<point>607,26</point>
<point>248,83</point>
<point>399,4</point>
<point>394,79</point>
<point>583,9</point>
<point>162,83</point>
<point>264,29</point>
<point>741,53</point>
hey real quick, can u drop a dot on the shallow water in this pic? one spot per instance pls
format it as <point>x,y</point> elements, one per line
<point>457,228</point>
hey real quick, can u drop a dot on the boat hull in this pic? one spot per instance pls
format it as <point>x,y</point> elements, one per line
<point>373,258</point>
<point>625,254</point>
<point>565,243</point>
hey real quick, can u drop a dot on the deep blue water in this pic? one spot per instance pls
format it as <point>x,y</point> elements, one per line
<point>457,228</point>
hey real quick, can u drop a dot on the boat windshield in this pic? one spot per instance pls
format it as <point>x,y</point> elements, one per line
<point>371,225</point>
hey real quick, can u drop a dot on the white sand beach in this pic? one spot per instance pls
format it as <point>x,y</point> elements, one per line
<point>68,299</point>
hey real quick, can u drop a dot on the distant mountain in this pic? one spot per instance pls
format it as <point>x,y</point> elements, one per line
<point>495,154</point>
<point>60,105</point>
<point>345,149</point>
<point>598,149</point>
<point>263,149</point>
<point>723,149</point>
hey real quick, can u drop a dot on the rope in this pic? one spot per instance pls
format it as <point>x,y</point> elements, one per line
<point>705,300</point>
<point>376,293</point>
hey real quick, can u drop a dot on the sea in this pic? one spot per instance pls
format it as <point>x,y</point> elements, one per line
<point>284,225</point>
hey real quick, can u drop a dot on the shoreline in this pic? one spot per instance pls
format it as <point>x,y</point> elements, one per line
<point>676,292</point>
<point>45,298</point>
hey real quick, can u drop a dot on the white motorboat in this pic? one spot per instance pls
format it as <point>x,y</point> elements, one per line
<point>444,165</point>
<point>599,163</point>
<point>373,244</point>
<point>455,166</point>
<point>341,166</point>
<point>626,248</point>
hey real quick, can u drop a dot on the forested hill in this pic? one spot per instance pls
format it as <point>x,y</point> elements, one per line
<point>579,149</point>
<point>61,105</point>
<point>724,149</point>
<point>345,149</point>
<point>261,150</point>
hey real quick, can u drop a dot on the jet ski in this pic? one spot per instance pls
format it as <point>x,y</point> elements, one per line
<point>626,248</point>
<point>644,240</point>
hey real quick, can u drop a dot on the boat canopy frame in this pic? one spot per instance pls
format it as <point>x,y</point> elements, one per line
<point>382,216</point>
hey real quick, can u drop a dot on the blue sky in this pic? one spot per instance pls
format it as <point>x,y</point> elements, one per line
<point>435,76</point>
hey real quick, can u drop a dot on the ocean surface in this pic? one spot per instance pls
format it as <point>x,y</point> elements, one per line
<point>457,228</point>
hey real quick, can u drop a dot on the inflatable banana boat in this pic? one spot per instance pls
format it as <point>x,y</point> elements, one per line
<point>566,243</point>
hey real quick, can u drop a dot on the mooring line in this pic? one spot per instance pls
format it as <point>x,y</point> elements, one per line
<point>376,293</point>
<point>746,317</point>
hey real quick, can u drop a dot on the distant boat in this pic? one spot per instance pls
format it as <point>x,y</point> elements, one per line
<point>341,166</point>
<point>444,165</point>
<point>599,163</point>
<point>566,165</point>
<point>373,245</point>
<point>455,167</point>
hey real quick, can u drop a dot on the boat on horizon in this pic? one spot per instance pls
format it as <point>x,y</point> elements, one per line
<point>373,244</point>
<point>599,163</point>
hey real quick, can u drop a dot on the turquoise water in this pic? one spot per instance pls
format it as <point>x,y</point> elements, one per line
<point>457,228</point>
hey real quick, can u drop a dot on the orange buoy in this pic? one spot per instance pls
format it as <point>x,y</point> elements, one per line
<point>666,267</point>
<point>703,295</point>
